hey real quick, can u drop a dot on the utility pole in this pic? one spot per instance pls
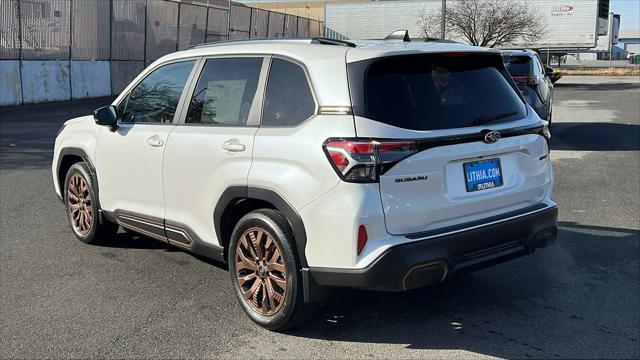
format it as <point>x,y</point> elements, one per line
<point>444,16</point>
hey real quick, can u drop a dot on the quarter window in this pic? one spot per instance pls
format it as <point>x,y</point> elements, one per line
<point>288,100</point>
<point>155,99</point>
<point>225,92</point>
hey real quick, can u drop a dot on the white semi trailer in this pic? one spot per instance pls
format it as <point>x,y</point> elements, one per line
<point>571,25</point>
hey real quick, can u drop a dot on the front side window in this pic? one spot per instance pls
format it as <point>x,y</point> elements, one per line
<point>225,92</point>
<point>434,91</point>
<point>155,99</point>
<point>288,100</point>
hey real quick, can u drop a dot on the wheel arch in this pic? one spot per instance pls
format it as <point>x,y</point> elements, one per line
<point>236,201</point>
<point>72,155</point>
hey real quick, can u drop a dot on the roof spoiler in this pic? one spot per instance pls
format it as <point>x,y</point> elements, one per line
<point>398,35</point>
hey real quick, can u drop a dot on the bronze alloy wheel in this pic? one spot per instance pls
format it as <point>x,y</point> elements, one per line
<point>260,271</point>
<point>80,205</point>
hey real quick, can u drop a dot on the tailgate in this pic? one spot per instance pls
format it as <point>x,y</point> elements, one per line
<point>429,190</point>
<point>454,139</point>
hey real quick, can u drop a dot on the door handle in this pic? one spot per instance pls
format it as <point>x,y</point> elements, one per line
<point>155,141</point>
<point>233,145</point>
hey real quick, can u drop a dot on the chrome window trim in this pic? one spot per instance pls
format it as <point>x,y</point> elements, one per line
<point>255,112</point>
<point>148,72</point>
<point>309,84</point>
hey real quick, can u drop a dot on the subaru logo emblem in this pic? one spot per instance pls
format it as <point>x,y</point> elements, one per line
<point>491,137</point>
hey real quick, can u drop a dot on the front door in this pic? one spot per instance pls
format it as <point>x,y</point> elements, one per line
<point>129,157</point>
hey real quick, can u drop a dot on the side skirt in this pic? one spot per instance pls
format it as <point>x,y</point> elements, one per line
<point>178,235</point>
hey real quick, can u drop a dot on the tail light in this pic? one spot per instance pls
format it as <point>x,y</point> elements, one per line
<point>362,238</point>
<point>364,160</point>
<point>526,80</point>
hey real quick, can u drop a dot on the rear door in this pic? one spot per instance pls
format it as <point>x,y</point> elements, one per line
<point>438,114</point>
<point>211,148</point>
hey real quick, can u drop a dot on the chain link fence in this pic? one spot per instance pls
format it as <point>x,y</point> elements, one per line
<point>141,30</point>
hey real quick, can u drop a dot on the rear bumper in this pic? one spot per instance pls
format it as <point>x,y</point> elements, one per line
<point>437,257</point>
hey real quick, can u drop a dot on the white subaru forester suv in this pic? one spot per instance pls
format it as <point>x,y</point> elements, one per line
<point>310,164</point>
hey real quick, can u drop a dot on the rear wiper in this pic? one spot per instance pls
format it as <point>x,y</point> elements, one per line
<point>485,119</point>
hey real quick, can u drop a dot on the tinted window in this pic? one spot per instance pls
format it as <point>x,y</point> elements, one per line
<point>225,92</point>
<point>155,99</point>
<point>518,65</point>
<point>430,92</point>
<point>288,100</point>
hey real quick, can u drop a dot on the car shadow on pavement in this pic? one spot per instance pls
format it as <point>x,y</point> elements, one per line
<point>619,86</point>
<point>520,309</point>
<point>131,240</point>
<point>586,136</point>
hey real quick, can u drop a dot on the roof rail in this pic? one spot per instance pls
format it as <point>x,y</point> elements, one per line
<point>329,41</point>
<point>221,42</point>
<point>438,40</point>
<point>398,35</point>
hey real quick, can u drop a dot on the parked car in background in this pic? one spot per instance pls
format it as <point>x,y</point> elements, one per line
<point>533,79</point>
<point>314,163</point>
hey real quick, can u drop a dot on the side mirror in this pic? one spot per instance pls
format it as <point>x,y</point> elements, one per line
<point>106,116</point>
<point>548,71</point>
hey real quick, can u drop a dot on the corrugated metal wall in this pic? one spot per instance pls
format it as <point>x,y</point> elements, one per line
<point>576,28</point>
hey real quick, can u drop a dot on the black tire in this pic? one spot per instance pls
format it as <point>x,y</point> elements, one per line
<point>94,230</point>
<point>292,310</point>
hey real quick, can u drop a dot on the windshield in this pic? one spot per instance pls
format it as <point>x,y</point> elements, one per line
<point>434,91</point>
<point>518,65</point>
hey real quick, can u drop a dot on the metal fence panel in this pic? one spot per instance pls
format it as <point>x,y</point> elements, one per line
<point>90,39</point>
<point>45,29</point>
<point>259,22</point>
<point>162,28</point>
<point>291,26</point>
<point>239,22</point>
<point>276,24</point>
<point>127,39</point>
<point>9,30</point>
<point>192,25</point>
<point>314,28</point>
<point>132,29</point>
<point>217,25</point>
<point>303,27</point>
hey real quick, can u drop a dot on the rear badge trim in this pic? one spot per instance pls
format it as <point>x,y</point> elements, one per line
<point>411,178</point>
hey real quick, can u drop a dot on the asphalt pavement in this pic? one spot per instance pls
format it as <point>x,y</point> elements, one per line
<point>135,297</point>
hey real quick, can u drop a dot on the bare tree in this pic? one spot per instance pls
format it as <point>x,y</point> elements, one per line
<point>487,23</point>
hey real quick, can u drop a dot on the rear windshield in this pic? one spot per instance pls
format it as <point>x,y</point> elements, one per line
<point>434,91</point>
<point>518,65</point>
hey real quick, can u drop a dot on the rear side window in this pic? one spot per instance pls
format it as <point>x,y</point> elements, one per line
<point>432,92</point>
<point>155,99</point>
<point>225,92</point>
<point>288,100</point>
<point>518,65</point>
